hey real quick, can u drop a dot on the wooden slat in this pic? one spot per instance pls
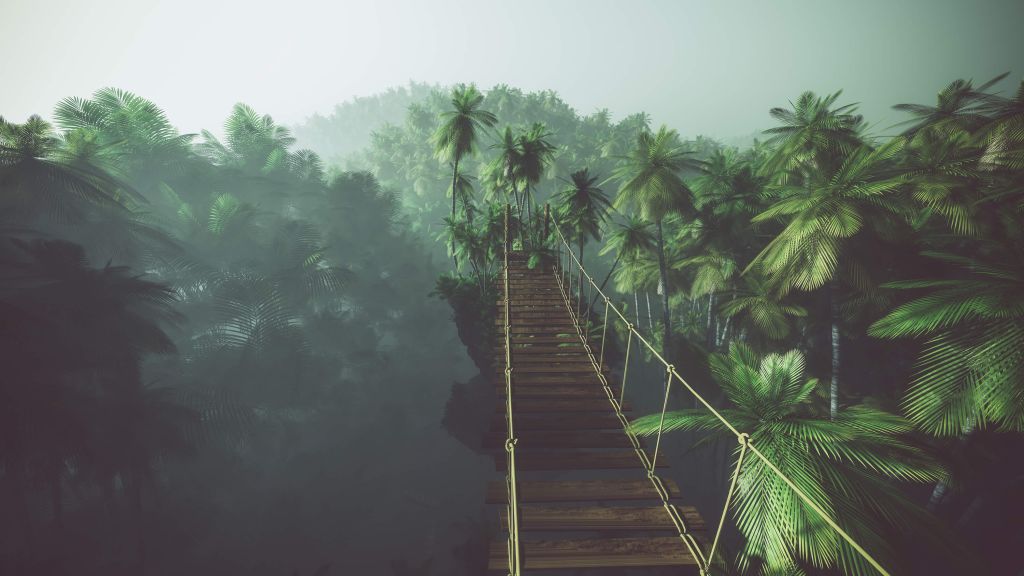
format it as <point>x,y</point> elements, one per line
<point>577,421</point>
<point>549,405</point>
<point>550,379</point>
<point>556,391</point>
<point>548,320</point>
<point>575,460</point>
<point>581,490</point>
<point>597,553</point>
<point>560,440</point>
<point>529,314</point>
<point>552,368</point>
<point>534,300</point>
<point>524,349</point>
<point>544,330</point>
<point>520,359</point>
<point>598,518</point>
<point>521,339</point>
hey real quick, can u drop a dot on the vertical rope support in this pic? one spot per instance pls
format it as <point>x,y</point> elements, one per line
<point>510,435</point>
<point>625,367</point>
<point>590,292</point>
<point>661,424</point>
<point>744,440</point>
<point>568,261</point>
<point>650,464</point>
<point>579,290</point>
<point>604,334</point>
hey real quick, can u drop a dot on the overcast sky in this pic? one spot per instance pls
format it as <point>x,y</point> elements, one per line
<point>710,67</point>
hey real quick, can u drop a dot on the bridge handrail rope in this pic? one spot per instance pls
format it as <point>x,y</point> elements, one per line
<point>511,484</point>
<point>744,439</point>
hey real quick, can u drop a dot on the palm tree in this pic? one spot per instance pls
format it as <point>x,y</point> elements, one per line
<point>535,153</point>
<point>970,373</point>
<point>40,180</point>
<point>845,464</point>
<point>502,172</point>
<point>456,137</point>
<point>629,239</point>
<point>960,107</point>
<point>813,134</point>
<point>823,214</point>
<point>651,181</point>
<point>254,144</point>
<point>148,147</point>
<point>583,206</point>
<point>76,337</point>
<point>758,306</point>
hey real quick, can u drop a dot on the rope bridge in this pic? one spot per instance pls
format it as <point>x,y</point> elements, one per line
<point>562,416</point>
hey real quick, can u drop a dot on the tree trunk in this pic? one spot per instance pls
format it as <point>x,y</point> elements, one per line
<point>528,200</point>
<point>833,304</point>
<point>650,317</point>
<point>455,179</point>
<point>666,343</point>
<point>709,333</point>
<point>636,304</point>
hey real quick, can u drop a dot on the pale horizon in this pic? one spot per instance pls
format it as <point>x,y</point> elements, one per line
<point>702,68</point>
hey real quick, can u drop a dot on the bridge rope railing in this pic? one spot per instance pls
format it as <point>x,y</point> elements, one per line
<point>511,483</point>
<point>580,314</point>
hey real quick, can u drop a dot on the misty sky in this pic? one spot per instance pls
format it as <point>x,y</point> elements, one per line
<point>702,67</point>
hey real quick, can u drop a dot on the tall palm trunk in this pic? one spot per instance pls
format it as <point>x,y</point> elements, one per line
<point>650,316</point>
<point>636,305</point>
<point>666,343</point>
<point>580,278</point>
<point>833,305</point>
<point>455,179</point>
<point>709,333</point>
<point>528,200</point>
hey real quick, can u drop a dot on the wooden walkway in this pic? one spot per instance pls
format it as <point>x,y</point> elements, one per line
<point>584,498</point>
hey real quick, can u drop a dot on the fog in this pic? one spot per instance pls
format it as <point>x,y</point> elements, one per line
<point>711,68</point>
<point>250,254</point>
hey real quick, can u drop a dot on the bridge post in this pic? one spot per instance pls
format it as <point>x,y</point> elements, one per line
<point>508,209</point>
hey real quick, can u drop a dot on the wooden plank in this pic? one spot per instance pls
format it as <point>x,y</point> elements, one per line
<point>548,330</point>
<point>547,320</point>
<point>527,349</point>
<point>612,490</point>
<point>519,358</point>
<point>560,440</point>
<point>565,391</point>
<point>549,405</point>
<point>530,314</point>
<point>601,518</point>
<point>553,368</point>
<point>597,553</point>
<point>527,338</point>
<point>571,421</point>
<point>527,461</point>
<point>548,380</point>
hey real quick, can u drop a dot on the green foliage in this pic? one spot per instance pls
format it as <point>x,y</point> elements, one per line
<point>651,179</point>
<point>843,464</point>
<point>970,372</point>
